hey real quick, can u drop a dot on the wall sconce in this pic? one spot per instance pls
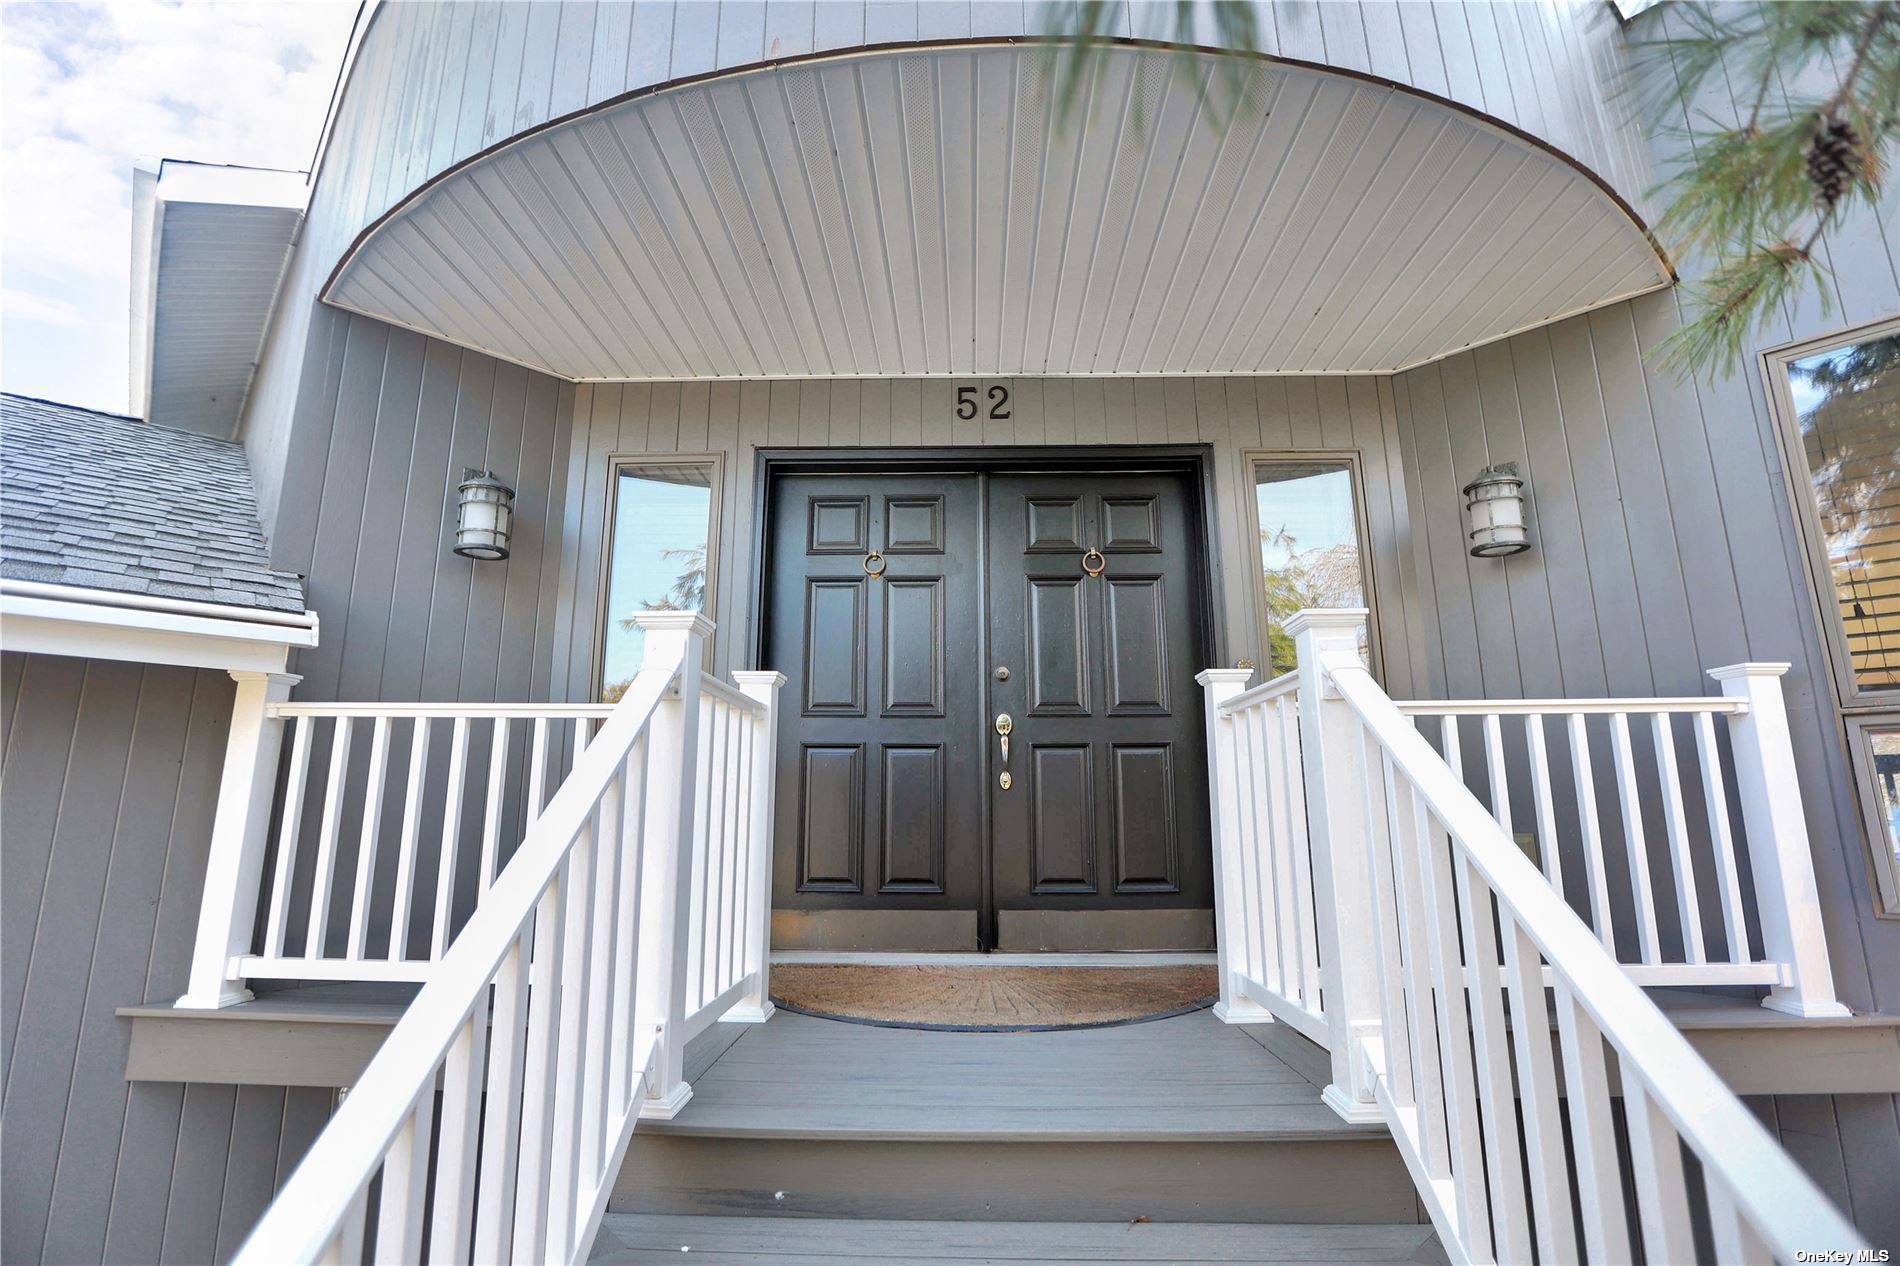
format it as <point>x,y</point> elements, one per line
<point>1494,503</point>
<point>487,516</point>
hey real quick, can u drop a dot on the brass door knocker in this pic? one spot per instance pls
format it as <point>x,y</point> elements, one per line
<point>1101,562</point>
<point>874,557</point>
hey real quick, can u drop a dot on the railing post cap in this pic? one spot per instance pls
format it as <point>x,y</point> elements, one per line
<point>694,622</point>
<point>1730,672</point>
<point>1325,619</point>
<point>758,677</point>
<point>1223,676</point>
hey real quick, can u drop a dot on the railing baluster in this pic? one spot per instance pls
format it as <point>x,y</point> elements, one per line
<point>1722,839</point>
<point>1454,1034</point>
<point>451,836</point>
<point>1548,853</point>
<point>1503,1163</point>
<point>502,1103</point>
<point>601,987</point>
<point>1259,956</point>
<point>536,794</point>
<point>454,1219</point>
<point>1594,871</point>
<point>492,802</point>
<point>285,872</point>
<point>622,1076</point>
<point>367,841</point>
<point>1409,896</point>
<point>1495,770</point>
<point>1736,1243</point>
<point>565,1136</point>
<point>411,831</point>
<point>403,1212</point>
<point>1606,1236</point>
<point>1688,904</point>
<point>1537,1097</point>
<point>1641,896</point>
<point>1385,920</point>
<point>317,933</point>
<point>530,1231</point>
<point>711,838</point>
<point>1662,1194</point>
<point>1300,851</point>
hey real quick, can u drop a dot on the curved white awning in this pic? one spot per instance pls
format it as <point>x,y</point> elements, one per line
<point>921,212</point>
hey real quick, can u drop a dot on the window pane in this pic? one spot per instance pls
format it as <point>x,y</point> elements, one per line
<point>1885,744</point>
<point>1309,545</point>
<point>662,518</point>
<point>1848,404</point>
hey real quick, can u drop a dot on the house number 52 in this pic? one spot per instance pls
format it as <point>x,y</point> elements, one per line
<point>970,402</point>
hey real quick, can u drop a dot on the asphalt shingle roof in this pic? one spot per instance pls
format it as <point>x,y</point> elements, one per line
<point>109,502</point>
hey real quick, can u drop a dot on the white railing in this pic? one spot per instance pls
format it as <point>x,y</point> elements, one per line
<point>1269,935</point>
<point>1439,941</point>
<point>1639,834</point>
<point>492,1123</point>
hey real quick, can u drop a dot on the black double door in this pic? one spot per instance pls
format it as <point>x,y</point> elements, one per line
<point>990,732</point>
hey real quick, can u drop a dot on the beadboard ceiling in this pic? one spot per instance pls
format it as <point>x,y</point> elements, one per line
<point>922,212</point>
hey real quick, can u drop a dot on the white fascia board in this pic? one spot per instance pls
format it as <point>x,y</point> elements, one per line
<point>33,622</point>
<point>180,181</point>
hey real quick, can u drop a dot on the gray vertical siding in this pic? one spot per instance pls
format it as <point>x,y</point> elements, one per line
<point>1850,1146</point>
<point>1231,415</point>
<point>108,780</point>
<point>1663,545</point>
<point>389,422</point>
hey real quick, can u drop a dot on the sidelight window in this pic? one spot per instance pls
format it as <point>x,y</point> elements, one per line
<point>662,553</point>
<point>1840,406</point>
<point>1311,543</point>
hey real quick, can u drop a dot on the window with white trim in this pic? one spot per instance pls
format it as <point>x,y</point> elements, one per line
<point>1840,406</point>
<point>662,551</point>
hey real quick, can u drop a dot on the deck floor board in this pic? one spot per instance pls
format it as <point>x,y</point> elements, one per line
<point>1188,1077</point>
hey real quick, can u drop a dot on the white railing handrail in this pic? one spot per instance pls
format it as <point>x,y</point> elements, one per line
<point>308,1209</point>
<point>1718,704</point>
<point>473,711</point>
<point>1762,1182</point>
<point>1273,688</point>
<point>731,695</point>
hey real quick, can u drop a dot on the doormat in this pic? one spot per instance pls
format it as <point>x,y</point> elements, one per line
<point>1000,999</point>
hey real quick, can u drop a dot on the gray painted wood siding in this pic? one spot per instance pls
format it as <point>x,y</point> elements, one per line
<point>1850,1146</point>
<point>1232,415</point>
<point>389,423</point>
<point>108,780</point>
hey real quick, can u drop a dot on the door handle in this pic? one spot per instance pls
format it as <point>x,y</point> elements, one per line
<point>1003,726</point>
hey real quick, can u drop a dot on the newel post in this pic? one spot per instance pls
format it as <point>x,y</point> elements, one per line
<point>1778,850</point>
<point>666,914</point>
<point>1342,886</point>
<point>1224,788</point>
<point>234,870</point>
<point>756,1006</point>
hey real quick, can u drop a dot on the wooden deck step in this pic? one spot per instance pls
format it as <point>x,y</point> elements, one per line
<point>635,1240</point>
<point>1178,1120</point>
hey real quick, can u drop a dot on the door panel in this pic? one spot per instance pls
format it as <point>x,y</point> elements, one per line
<point>1105,819</point>
<point>880,784</point>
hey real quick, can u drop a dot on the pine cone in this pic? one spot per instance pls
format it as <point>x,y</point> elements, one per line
<point>1834,155</point>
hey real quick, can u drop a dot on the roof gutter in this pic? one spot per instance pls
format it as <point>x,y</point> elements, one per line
<point>51,619</point>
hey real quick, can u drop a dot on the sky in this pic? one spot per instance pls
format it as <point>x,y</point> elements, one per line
<point>86,90</point>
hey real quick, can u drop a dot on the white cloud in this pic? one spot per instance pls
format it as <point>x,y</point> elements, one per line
<point>90,88</point>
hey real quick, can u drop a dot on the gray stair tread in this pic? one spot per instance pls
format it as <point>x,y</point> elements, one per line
<point>1185,1078</point>
<point>627,1239</point>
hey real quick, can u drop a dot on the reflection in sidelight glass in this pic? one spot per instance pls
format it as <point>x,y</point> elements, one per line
<point>1884,746</point>
<point>1847,402</point>
<point>1310,551</point>
<point>661,538</point>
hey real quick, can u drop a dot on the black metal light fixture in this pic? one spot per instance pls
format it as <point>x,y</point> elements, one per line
<point>1494,504</point>
<point>487,516</point>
